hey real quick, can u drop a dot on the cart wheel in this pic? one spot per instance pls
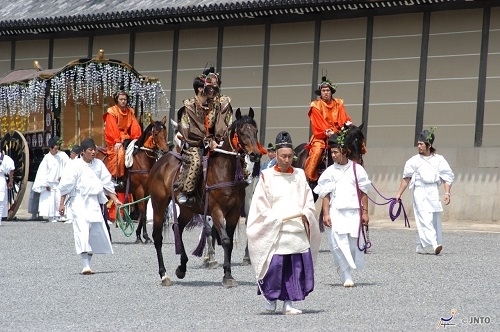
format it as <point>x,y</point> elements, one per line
<point>15,146</point>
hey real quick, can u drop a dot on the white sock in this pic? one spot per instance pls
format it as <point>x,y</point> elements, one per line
<point>85,260</point>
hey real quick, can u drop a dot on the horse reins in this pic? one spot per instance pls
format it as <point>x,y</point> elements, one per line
<point>363,229</point>
<point>392,203</point>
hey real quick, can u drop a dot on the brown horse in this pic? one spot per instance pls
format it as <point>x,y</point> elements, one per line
<point>221,195</point>
<point>149,147</point>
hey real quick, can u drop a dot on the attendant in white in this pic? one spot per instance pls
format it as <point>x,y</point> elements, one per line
<point>85,182</point>
<point>341,206</point>
<point>73,154</point>
<point>424,173</point>
<point>47,178</point>
<point>283,232</point>
<point>6,182</point>
<point>271,153</point>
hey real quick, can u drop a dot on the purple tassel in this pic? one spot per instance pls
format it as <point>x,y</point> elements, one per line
<point>198,252</point>
<point>178,240</point>
<point>239,176</point>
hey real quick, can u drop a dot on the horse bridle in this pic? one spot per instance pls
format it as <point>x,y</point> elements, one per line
<point>158,153</point>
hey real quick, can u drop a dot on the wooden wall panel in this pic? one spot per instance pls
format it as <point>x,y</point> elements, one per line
<point>290,71</point>
<point>28,51</point>
<point>452,76</point>
<point>69,49</point>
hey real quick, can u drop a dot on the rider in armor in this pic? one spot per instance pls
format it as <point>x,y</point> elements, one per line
<point>327,117</point>
<point>203,122</point>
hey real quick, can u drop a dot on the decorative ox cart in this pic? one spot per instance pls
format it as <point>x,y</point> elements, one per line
<point>69,102</point>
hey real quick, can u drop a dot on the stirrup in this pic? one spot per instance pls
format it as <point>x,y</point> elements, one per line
<point>120,185</point>
<point>185,200</point>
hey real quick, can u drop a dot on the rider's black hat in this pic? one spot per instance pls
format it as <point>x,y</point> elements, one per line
<point>271,147</point>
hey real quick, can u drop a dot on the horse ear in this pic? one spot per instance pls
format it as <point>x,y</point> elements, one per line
<point>151,120</point>
<point>361,125</point>
<point>164,120</point>
<point>238,113</point>
<point>251,113</point>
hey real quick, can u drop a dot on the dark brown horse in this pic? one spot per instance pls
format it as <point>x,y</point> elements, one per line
<point>148,148</point>
<point>221,195</point>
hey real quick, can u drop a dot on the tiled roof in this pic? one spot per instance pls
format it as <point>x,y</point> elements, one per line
<point>49,16</point>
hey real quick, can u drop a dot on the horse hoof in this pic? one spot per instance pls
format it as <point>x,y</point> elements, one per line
<point>165,281</point>
<point>148,240</point>
<point>138,241</point>
<point>229,282</point>
<point>246,261</point>
<point>180,274</point>
<point>212,264</point>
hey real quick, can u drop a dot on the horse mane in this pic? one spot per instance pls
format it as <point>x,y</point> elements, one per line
<point>354,141</point>
<point>145,134</point>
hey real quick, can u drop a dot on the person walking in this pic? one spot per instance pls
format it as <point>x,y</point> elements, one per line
<point>47,179</point>
<point>343,186</point>
<point>85,183</point>
<point>424,173</point>
<point>7,167</point>
<point>271,153</point>
<point>75,152</point>
<point>283,232</point>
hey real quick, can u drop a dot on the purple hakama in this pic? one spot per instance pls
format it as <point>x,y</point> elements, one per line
<point>289,277</point>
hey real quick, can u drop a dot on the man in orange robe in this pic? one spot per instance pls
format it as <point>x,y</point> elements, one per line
<point>120,124</point>
<point>327,117</point>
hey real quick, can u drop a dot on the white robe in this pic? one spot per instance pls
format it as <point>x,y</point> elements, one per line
<point>279,195</point>
<point>48,175</point>
<point>84,184</point>
<point>339,182</point>
<point>5,168</point>
<point>427,174</point>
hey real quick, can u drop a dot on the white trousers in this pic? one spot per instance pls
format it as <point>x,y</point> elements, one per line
<point>429,228</point>
<point>346,254</point>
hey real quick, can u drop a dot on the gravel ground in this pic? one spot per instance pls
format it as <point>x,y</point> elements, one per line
<point>41,288</point>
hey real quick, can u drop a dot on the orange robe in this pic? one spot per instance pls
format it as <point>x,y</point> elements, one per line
<point>118,126</point>
<point>323,116</point>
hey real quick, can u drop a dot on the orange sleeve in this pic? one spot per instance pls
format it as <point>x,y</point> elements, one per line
<point>135,129</point>
<point>111,131</point>
<point>318,123</point>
